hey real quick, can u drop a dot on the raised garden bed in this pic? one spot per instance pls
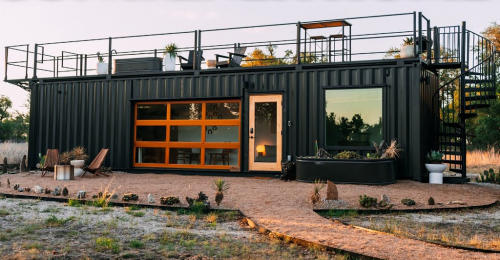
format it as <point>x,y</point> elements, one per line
<point>366,171</point>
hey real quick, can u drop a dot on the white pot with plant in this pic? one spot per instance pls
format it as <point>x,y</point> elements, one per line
<point>407,49</point>
<point>102,67</point>
<point>79,156</point>
<point>435,166</point>
<point>170,54</point>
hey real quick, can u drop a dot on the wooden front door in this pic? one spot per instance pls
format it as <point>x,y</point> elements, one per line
<point>265,135</point>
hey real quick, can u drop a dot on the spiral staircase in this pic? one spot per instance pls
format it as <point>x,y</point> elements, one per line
<point>472,87</point>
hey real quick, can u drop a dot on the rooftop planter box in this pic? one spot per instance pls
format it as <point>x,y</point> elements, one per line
<point>135,65</point>
<point>362,171</point>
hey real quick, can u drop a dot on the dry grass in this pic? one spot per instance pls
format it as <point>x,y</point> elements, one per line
<point>481,160</point>
<point>13,151</point>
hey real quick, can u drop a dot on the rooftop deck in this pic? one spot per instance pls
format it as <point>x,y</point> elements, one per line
<point>329,42</point>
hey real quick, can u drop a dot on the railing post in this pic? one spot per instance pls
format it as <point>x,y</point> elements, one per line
<point>35,61</point>
<point>429,38</point>
<point>6,61</point>
<point>27,59</point>
<point>85,70</point>
<point>110,56</point>
<point>419,33</point>
<point>198,64</point>
<point>463,147</point>
<point>298,42</point>
<point>415,32</point>
<point>437,47</point>
<point>195,56</point>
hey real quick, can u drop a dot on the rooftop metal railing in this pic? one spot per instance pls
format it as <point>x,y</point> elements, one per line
<point>323,41</point>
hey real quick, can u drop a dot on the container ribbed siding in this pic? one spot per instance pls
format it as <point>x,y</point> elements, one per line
<point>99,113</point>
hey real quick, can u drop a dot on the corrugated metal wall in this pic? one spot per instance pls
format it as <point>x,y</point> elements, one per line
<point>98,114</point>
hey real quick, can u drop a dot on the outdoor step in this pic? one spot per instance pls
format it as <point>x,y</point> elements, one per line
<point>450,134</point>
<point>479,89</point>
<point>452,161</point>
<point>476,106</point>
<point>473,73</point>
<point>447,65</point>
<point>455,180</point>
<point>455,125</point>
<point>456,170</point>
<point>449,144</point>
<point>468,115</point>
<point>478,81</point>
<point>476,98</point>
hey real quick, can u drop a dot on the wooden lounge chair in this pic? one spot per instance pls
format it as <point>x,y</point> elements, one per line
<point>51,160</point>
<point>95,166</point>
<point>189,62</point>
<point>233,60</point>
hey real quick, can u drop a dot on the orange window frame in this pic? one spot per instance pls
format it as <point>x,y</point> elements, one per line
<point>203,145</point>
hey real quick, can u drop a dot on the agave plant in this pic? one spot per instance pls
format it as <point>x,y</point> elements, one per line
<point>220,186</point>
<point>317,187</point>
<point>435,157</point>
<point>171,49</point>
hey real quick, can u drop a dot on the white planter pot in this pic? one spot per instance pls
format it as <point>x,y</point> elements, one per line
<point>102,68</point>
<point>64,172</point>
<point>169,62</point>
<point>407,51</point>
<point>78,164</point>
<point>436,172</point>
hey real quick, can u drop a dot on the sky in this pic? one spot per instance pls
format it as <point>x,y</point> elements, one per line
<point>30,22</point>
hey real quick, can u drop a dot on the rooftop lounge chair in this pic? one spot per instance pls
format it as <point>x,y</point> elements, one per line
<point>233,60</point>
<point>95,166</point>
<point>189,62</point>
<point>51,160</point>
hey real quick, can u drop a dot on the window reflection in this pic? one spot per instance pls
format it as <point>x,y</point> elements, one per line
<point>152,112</point>
<point>353,117</point>
<point>222,111</point>
<point>190,111</point>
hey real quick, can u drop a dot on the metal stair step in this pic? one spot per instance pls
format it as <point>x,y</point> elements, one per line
<point>452,152</point>
<point>476,98</point>
<point>450,134</point>
<point>447,65</point>
<point>455,125</point>
<point>455,180</point>
<point>476,106</point>
<point>452,161</point>
<point>468,115</point>
<point>456,170</point>
<point>478,81</point>
<point>449,144</point>
<point>473,73</point>
<point>479,89</point>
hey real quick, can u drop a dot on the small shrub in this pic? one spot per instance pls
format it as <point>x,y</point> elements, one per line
<point>220,186</point>
<point>367,201</point>
<point>104,243</point>
<point>408,202</point>
<point>74,203</point>
<point>130,196</point>
<point>53,221</point>
<point>431,201</point>
<point>211,217</point>
<point>348,155</point>
<point>199,208</point>
<point>170,200</point>
<point>136,244</point>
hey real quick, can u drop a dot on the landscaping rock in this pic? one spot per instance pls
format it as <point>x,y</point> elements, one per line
<point>331,191</point>
<point>27,189</point>
<point>169,200</point>
<point>65,192</point>
<point>114,197</point>
<point>384,201</point>
<point>38,189</point>
<point>81,194</point>
<point>151,199</point>
<point>408,202</point>
<point>20,189</point>
<point>431,201</point>
<point>16,186</point>
<point>47,191</point>
<point>23,167</point>
<point>457,202</point>
<point>57,191</point>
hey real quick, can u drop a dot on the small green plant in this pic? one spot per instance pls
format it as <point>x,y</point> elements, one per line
<point>348,155</point>
<point>104,243</point>
<point>408,41</point>
<point>220,186</point>
<point>53,221</point>
<point>42,160</point>
<point>134,210</point>
<point>198,208</point>
<point>408,202</point>
<point>435,157</point>
<point>170,200</point>
<point>373,156</point>
<point>171,49</point>
<point>489,176</point>
<point>137,244</point>
<point>74,203</point>
<point>100,57</point>
<point>317,187</point>
<point>367,201</point>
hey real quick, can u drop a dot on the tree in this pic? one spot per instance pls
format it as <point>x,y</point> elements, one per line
<point>260,58</point>
<point>12,126</point>
<point>5,105</point>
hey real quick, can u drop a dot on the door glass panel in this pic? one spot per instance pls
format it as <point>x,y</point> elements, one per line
<point>185,133</point>
<point>185,156</point>
<point>222,133</point>
<point>152,133</point>
<point>265,134</point>
<point>152,112</point>
<point>221,156</point>
<point>150,155</point>
<point>190,111</point>
<point>222,111</point>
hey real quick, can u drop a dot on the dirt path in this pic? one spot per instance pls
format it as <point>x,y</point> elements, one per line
<point>284,207</point>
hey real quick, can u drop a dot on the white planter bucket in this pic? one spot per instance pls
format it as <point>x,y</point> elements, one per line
<point>436,172</point>
<point>407,51</point>
<point>78,164</point>
<point>64,172</point>
<point>169,62</point>
<point>102,68</point>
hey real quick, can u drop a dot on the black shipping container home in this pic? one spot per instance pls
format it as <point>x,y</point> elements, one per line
<point>244,119</point>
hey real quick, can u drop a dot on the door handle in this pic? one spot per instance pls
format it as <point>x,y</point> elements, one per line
<point>251,137</point>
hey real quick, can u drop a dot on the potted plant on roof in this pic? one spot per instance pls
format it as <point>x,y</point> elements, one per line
<point>435,166</point>
<point>102,67</point>
<point>63,171</point>
<point>407,48</point>
<point>170,54</point>
<point>79,156</point>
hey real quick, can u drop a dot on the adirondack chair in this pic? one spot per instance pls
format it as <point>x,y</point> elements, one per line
<point>51,160</point>
<point>188,64</point>
<point>233,60</point>
<point>95,166</point>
